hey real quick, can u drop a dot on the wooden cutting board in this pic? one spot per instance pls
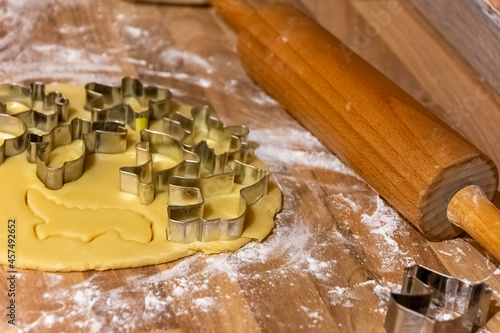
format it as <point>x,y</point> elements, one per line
<point>337,250</point>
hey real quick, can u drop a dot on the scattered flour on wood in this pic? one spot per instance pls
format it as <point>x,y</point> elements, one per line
<point>285,148</point>
<point>353,205</point>
<point>342,296</point>
<point>387,223</point>
<point>212,283</point>
<point>314,315</point>
<point>201,283</point>
<point>204,303</point>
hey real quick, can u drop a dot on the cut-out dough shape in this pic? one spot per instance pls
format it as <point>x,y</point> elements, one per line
<point>86,224</point>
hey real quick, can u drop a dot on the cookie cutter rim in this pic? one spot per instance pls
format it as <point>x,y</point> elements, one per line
<point>185,219</point>
<point>32,117</point>
<point>107,102</point>
<point>15,145</point>
<point>100,137</point>
<point>142,181</point>
<point>408,311</point>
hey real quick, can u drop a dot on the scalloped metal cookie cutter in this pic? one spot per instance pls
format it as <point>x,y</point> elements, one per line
<point>110,103</point>
<point>424,288</point>
<point>201,128</point>
<point>44,111</point>
<point>141,181</point>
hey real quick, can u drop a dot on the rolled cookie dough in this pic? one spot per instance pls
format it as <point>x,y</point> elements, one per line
<point>90,224</point>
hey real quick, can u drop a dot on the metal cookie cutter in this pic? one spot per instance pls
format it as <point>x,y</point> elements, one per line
<point>196,133</point>
<point>201,127</point>
<point>216,176</point>
<point>110,103</point>
<point>143,181</point>
<point>424,289</point>
<point>44,111</point>
<point>185,209</point>
<point>16,142</point>
<point>199,172</point>
<point>98,137</point>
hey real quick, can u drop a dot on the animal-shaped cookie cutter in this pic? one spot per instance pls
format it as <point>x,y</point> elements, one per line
<point>201,127</point>
<point>111,103</point>
<point>142,180</point>
<point>43,111</point>
<point>97,137</point>
<point>185,209</point>
<point>198,173</point>
<point>424,289</point>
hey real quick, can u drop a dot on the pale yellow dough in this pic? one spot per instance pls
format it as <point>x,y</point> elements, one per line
<point>90,224</point>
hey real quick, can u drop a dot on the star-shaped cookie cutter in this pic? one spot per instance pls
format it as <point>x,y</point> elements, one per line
<point>15,144</point>
<point>424,289</point>
<point>98,137</point>
<point>43,111</point>
<point>110,103</point>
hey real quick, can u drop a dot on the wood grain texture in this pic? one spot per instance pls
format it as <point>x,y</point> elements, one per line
<point>400,148</point>
<point>324,268</point>
<point>456,103</point>
<point>471,26</point>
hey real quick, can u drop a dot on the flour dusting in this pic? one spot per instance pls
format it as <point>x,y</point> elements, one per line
<point>299,149</point>
<point>204,303</point>
<point>386,223</point>
<point>315,251</point>
<point>300,250</point>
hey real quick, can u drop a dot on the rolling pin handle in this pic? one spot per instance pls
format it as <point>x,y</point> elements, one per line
<point>472,211</point>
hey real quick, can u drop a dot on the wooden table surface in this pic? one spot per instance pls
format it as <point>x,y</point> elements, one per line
<point>337,250</point>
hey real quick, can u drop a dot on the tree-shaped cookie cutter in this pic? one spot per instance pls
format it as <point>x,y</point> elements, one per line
<point>423,289</point>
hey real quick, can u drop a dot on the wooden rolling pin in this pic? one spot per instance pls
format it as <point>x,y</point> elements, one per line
<point>426,170</point>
